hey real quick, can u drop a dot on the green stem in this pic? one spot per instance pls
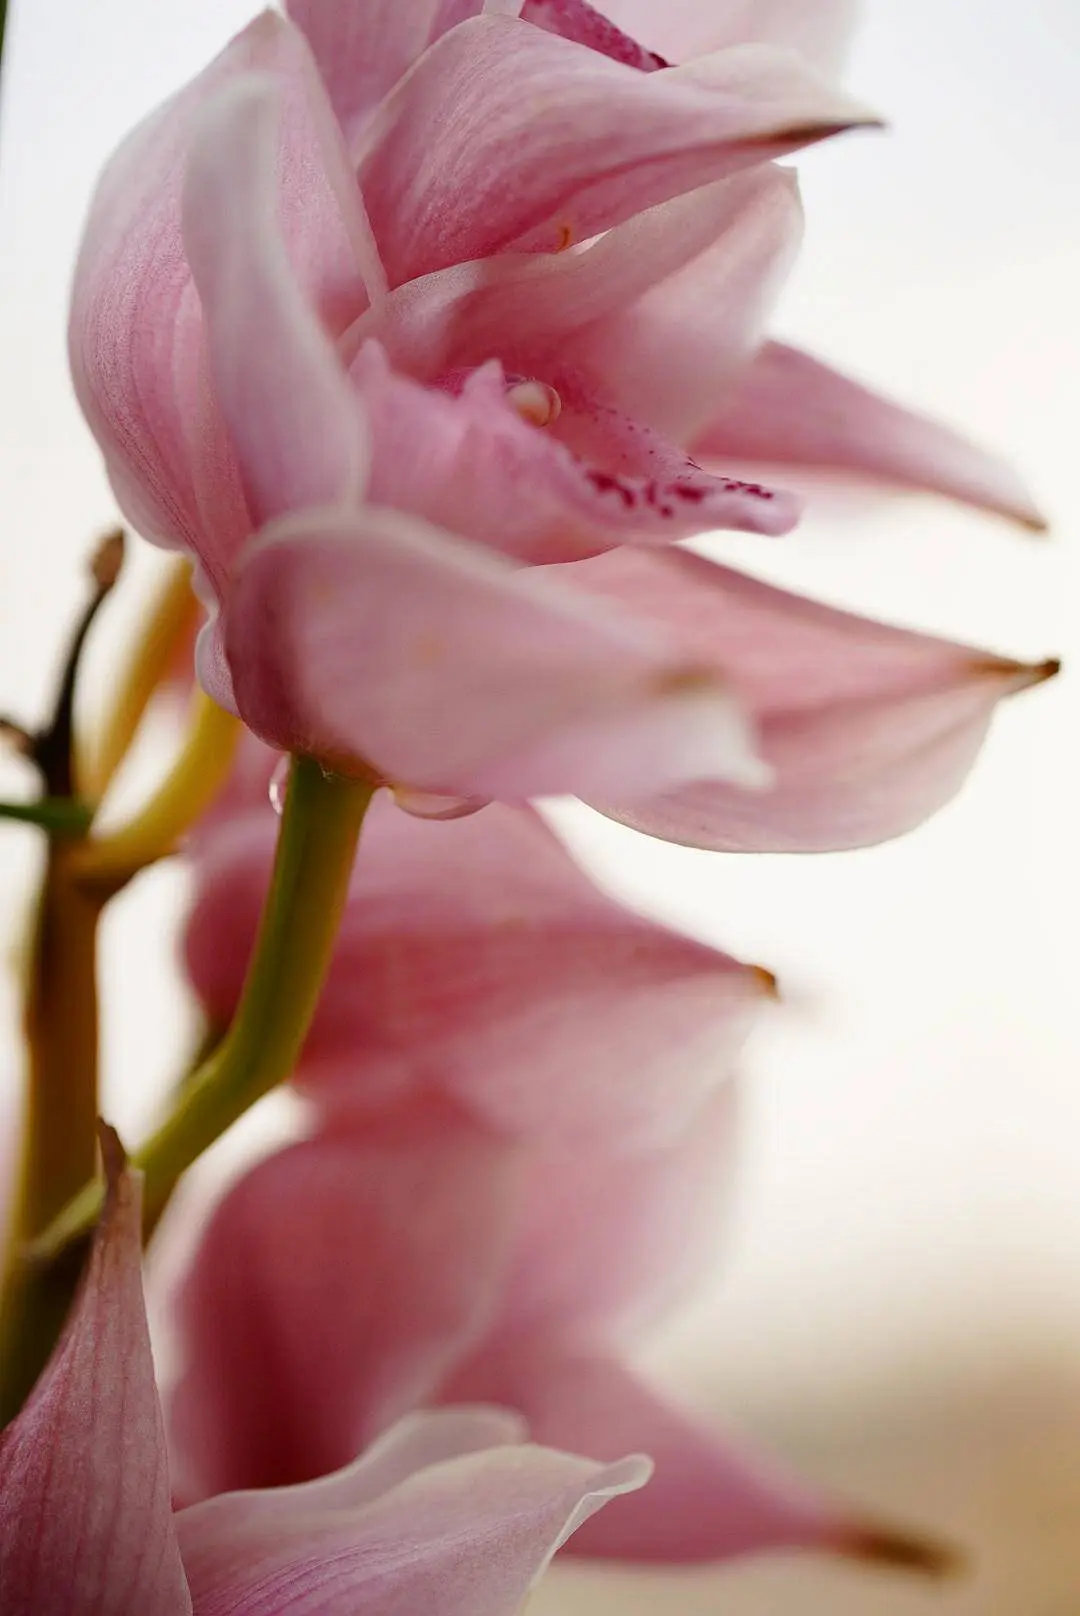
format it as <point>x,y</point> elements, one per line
<point>61,816</point>
<point>316,847</point>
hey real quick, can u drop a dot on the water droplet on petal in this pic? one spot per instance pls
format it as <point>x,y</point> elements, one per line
<point>279,782</point>
<point>430,805</point>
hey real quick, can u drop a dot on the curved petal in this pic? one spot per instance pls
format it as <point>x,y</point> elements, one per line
<point>789,409</point>
<point>868,728</point>
<point>467,1537</point>
<point>375,638</point>
<point>607,141</point>
<point>477,958</point>
<point>427,1437</point>
<point>136,339</point>
<point>676,351</point>
<point>818,29</point>
<point>709,1499</point>
<point>363,47</point>
<point>293,417</point>
<point>531,309</point>
<point>85,1513</point>
<point>335,1284</point>
<point>493,475</point>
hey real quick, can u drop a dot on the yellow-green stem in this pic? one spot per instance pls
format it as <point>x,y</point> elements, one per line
<point>194,780</point>
<point>172,615</point>
<point>316,847</point>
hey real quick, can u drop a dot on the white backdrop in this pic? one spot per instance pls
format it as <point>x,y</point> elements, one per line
<point>905,1248</point>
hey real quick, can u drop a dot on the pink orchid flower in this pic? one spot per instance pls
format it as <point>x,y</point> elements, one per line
<point>450,1512</point>
<point>477,959</point>
<point>326,337</point>
<point>391,1263</point>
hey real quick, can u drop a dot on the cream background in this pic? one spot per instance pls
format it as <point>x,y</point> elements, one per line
<point>901,1305</point>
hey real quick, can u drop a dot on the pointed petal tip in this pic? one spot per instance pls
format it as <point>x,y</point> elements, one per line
<point>901,1550</point>
<point>1031,518</point>
<point>114,1157</point>
<point>1025,675</point>
<point>767,982</point>
<point>1019,676</point>
<point>813,130</point>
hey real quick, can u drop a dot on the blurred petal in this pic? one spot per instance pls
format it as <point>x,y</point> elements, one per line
<point>85,1514</point>
<point>490,474</point>
<point>817,29</point>
<point>362,48</point>
<point>136,337</point>
<point>708,1499</point>
<point>611,141</point>
<point>788,409</point>
<point>373,638</point>
<point>333,1287</point>
<point>626,1236</point>
<point>466,1537</point>
<point>476,957</point>
<point>869,728</point>
<point>293,417</point>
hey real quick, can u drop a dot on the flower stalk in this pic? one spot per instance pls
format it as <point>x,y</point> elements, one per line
<point>320,826</point>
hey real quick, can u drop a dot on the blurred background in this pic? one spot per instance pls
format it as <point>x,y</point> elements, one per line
<point>900,1305</point>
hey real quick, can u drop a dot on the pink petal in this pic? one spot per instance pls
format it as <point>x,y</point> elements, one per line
<point>575,19</point>
<point>817,29</point>
<point>291,412</point>
<point>672,354</point>
<point>491,475</point>
<point>626,1236</point>
<point>610,142</point>
<point>136,338</point>
<point>868,728</point>
<point>85,1514</point>
<point>477,957</point>
<point>532,310</point>
<point>363,47</point>
<point>428,1437</point>
<point>375,638</point>
<point>466,1537</point>
<point>708,1499</point>
<point>333,1287</point>
<point>789,409</point>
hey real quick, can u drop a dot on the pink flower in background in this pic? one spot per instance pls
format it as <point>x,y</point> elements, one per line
<point>523,1096</point>
<point>451,1513</point>
<point>390,1263</point>
<point>327,333</point>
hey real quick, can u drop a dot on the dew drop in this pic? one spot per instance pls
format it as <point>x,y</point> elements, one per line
<point>279,782</point>
<point>429,805</point>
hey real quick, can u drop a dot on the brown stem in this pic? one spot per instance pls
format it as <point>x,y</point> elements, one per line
<point>60,1126</point>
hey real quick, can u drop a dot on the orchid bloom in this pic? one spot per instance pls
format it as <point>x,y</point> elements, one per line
<point>389,1263</point>
<point>452,1512</point>
<point>524,1105</point>
<point>327,332</point>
